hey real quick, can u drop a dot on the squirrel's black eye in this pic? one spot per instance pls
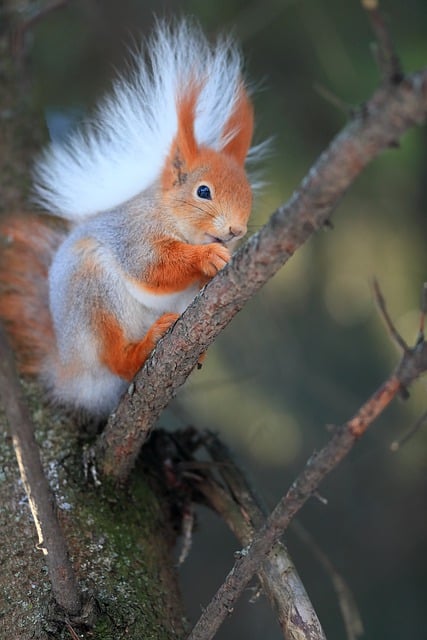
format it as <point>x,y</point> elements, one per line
<point>204,192</point>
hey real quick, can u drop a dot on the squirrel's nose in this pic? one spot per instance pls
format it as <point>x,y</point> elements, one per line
<point>237,230</point>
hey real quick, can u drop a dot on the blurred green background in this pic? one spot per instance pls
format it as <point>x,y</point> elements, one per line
<point>310,348</point>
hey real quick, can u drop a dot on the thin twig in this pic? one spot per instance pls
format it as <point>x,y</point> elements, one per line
<point>18,34</point>
<point>333,99</point>
<point>423,312</point>
<point>73,634</point>
<point>40,497</point>
<point>395,335</point>
<point>349,609</point>
<point>412,365</point>
<point>397,444</point>
<point>387,58</point>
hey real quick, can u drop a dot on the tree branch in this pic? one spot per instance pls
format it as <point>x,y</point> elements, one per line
<point>412,365</point>
<point>379,124</point>
<point>397,338</point>
<point>214,479</point>
<point>40,497</point>
<point>279,578</point>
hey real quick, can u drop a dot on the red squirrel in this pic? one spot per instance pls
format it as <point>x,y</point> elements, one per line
<point>154,193</point>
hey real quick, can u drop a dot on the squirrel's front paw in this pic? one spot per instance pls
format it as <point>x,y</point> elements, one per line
<point>215,257</point>
<point>161,325</point>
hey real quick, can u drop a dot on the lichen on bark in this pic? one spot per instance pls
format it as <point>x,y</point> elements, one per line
<point>120,541</point>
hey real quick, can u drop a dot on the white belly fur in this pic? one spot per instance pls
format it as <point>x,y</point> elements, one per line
<point>163,303</point>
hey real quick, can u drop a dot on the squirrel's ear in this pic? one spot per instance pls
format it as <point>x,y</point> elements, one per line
<point>184,147</point>
<point>239,128</point>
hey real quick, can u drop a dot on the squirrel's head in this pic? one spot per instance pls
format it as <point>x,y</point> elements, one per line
<point>208,190</point>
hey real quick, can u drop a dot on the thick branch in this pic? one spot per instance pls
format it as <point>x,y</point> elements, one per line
<point>378,125</point>
<point>40,497</point>
<point>413,364</point>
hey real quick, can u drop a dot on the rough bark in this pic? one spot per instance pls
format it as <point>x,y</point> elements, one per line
<point>120,545</point>
<point>40,496</point>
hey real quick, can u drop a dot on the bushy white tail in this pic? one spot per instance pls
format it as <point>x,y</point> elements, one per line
<point>122,149</point>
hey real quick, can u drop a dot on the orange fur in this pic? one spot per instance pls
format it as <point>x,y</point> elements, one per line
<point>241,123</point>
<point>122,357</point>
<point>186,140</point>
<point>184,147</point>
<point>185,154</point>
<point>89,265</point>
<point>26,249</point>
<point>182,265</point>
<point>85,246</point>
